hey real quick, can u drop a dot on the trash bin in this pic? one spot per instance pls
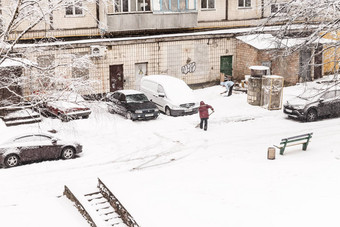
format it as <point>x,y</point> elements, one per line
<point>271,153</point>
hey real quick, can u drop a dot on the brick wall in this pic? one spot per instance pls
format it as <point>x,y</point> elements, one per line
<point>285,66</point>
<point>246,56</point>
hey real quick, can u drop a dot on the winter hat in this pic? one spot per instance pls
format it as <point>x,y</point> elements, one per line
<point>202,103</point>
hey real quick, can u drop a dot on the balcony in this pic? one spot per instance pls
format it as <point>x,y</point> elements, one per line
<point>151,21</point>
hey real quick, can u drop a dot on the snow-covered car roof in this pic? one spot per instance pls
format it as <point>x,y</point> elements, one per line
<point>12,139</point>
<point>162,79</point>
<point>65,105</point>
<point>129,92</point>
<point>67,96</point>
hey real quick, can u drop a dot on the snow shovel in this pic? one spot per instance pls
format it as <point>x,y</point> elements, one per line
<point>198,125</point>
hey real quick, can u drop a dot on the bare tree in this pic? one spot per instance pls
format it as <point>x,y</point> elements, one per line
<point>26,76</point>
<point>315,23</point>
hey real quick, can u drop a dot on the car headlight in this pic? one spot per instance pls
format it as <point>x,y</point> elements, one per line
<point>298,106</point>
<point>138,111</point>
<point>156,110</point>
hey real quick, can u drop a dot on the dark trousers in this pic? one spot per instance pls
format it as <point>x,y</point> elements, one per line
<point>205,121</point>
<point>230,90</point>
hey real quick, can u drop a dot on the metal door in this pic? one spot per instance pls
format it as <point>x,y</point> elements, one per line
<point>116,78</point>
<point>226,65</point>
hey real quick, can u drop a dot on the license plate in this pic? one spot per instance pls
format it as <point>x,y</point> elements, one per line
<point>187,110</point>
<point>148,115</point>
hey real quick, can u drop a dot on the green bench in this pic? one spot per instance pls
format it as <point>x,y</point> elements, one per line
<point>295,140</point>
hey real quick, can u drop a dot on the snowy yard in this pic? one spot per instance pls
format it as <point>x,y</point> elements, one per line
<point>168,173</point>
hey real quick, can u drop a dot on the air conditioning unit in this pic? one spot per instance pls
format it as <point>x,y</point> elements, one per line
<point>98,51</point>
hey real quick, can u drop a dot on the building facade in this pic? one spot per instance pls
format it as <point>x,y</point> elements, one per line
<point>178,38</point>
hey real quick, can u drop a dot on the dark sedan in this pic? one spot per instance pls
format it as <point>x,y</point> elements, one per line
<point>314,104</point>
<point>36,147</point>
<point>132,104</point>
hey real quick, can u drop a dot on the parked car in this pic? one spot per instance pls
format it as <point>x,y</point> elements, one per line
<point>314,104</point>
<point>132,104</point>
<point>171,95</point>
<point>66,106</point>
<point>36,147</point>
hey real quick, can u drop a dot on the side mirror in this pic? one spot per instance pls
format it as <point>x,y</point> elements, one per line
<point>162,95</point>
<point>54,141</point>
<point>321,100</point>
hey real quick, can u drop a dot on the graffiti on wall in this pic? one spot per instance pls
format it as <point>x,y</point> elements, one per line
<point>189,68</point>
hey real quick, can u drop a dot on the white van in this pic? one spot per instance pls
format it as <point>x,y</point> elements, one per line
<point>171,95</point>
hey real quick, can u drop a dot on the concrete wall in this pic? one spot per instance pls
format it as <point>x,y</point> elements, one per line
<point>234,12</point>
<point>216,14</point>
<point>195,60</point>
<point>240,13</point>
<point>87,20</point>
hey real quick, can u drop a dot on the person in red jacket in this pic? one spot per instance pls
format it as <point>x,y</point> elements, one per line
<point>204,114</point>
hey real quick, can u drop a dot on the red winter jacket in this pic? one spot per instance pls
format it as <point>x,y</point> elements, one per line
<point>203,109</point>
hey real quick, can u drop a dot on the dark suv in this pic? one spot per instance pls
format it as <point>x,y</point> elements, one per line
<point>132,104</point>
<point>314,104</point>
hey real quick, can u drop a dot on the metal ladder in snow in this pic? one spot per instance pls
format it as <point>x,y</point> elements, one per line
<point>106,206</point>
<point>104,209</point>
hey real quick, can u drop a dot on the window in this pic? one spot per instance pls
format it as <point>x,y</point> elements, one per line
<point>278,8</point>
<point>208,4</point>
<point>119,6</point>
<point>160,89</point>
<point>80,66</point>
<point>74,8</point>
<point>244,3</point>
<point>47,67</point>
<point>24,139</point>
<point>329,95</point>
<point>32,138</point>
<point>174,6</point>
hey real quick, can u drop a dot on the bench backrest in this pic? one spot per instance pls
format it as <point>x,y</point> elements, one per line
<point>297,138</point>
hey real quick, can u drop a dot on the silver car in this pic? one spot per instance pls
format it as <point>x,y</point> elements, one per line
<point>36,147</point>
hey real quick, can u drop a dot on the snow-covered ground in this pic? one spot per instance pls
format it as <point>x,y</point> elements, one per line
<point>168,173</point>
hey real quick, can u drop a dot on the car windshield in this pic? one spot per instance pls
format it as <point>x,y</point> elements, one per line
<point>136,98</point>
<point>310,94</point>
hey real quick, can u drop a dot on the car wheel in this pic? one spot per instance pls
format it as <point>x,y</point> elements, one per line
<point>167,111</point>
<point>11,160</point>
<point>111,110</point>
<point>129,116</point>
<point>311,115</point>
<point>63,118</point>
<point>68,153</point>
<point>86,117</point>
